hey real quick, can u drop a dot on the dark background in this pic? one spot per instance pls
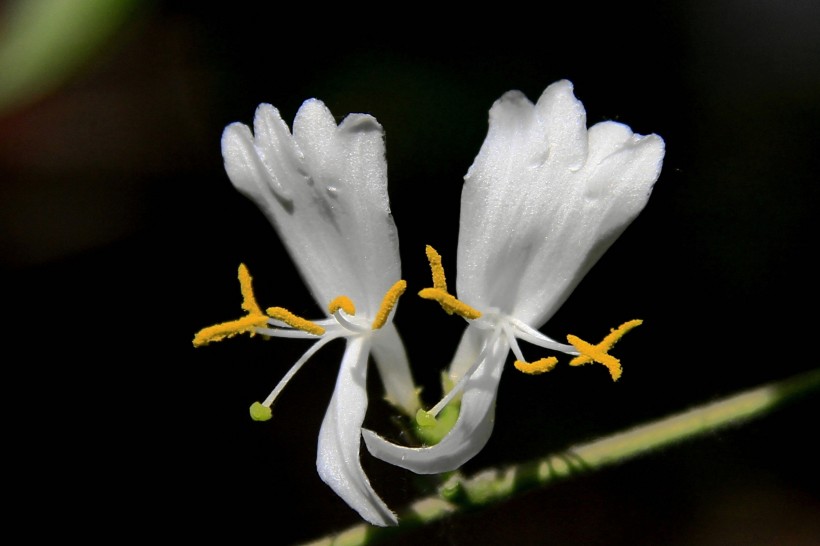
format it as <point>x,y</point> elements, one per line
<point>121,236</point>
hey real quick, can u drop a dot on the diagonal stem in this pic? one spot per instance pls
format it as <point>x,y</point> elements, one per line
<point>495,485</point>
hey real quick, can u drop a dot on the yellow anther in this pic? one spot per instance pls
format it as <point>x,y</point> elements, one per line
<point>450,303</point>
<point>295,321</point>
<point>248,300</point>
<point>247,324</point>
<point>439,280</point>
<point>389,301</point>
<point>538,367</point>
<point>599,352</point>
<point>439,293</point>
<point>344,303</point>
<point>218,332</point>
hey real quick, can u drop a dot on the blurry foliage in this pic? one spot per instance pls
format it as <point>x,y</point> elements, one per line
<point>44,42</point>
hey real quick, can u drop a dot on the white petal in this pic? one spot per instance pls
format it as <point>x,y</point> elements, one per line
<point>324,188</point>
<point>467,437</point>
<point>544,199</point>
<point>394,368</point>
<point>340,438</point>
<point>247,167</point>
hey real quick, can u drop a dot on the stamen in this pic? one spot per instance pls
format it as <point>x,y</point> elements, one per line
<point>283,315</point>
<point>391,298</point>
<point>538,367</point>
<point>599,353</point>
<point>450,303</point>
<point>344,303</point>
<point>248,299</point>
<point>439,280</point>
<point>218,332</point>
<point>532,368</point>
<point>247,324</point>
<point>295,368</point>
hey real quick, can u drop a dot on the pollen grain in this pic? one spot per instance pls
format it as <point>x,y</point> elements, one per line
<point>248,299</point>
<point>450,303</point>
<point>294,321</point>
<point>391,298</point>
<point>224,330</point>
<point>247,324</point>
<point>437,269</point>
<point>600,352</point>
<point>344,303</point>
<point>540,366</point>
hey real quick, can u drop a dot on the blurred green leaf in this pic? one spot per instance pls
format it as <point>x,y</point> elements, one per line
<point>44,42</point>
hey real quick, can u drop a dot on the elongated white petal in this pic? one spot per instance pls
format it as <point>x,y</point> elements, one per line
<point>324,188</point>
<point>468,436</point>
<point>394,369</point>
<point>544,199</point>
<point>340,438</point>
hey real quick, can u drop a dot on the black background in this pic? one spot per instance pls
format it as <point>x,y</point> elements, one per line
<point>121,235</point>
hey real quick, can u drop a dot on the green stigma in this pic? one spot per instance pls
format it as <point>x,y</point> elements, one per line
<point>260,412</point>
<point>431,430</point>
<point>425,418</point>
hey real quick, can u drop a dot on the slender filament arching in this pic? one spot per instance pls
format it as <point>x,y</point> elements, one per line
<point>458,387</point>
<point>296,367</point>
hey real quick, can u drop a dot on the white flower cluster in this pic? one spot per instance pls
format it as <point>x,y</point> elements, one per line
<point>544,199</point>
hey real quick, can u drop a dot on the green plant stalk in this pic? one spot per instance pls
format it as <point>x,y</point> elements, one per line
<point>458,493</point>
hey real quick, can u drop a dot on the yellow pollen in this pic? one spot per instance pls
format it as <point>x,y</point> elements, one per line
<point>389,301</point>
<point>599,353</point>
<point>224,330</point>
<point>255,318</point>
<point>538,367</point>
<point>450,303</point>
<point>248,300</point>
<point>295,321</point>
<point>439,293</point>
<point>439,280</point>
<point>344,303</point>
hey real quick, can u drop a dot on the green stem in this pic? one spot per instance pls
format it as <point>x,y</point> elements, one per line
<point>490,486</point>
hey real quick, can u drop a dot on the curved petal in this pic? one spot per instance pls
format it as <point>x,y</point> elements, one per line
<point>544,199</point>
<point>394,369</point>
<point>340,438</point>
<point>324,188</point>
<point>470,433</point>
<point>607,194</point>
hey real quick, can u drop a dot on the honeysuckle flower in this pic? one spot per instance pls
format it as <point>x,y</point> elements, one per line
<point>324,189</point>
<point>543,200</point>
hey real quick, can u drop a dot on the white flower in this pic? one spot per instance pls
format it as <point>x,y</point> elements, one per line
<point>543,200</point>
<point>324,188</point>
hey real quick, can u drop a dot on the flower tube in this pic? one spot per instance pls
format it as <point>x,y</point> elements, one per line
<point>324,189</point>
<point>543,200</point>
